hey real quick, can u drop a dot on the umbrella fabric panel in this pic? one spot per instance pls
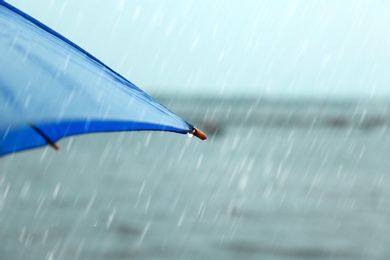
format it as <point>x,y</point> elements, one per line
<point>18,139</point>
<point>27,136</point>
<point>48,81</point>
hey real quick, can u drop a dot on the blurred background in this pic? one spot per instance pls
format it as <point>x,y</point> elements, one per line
<point>294,96</point>
<point>264,48</point>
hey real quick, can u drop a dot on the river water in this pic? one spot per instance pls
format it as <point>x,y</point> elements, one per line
<point>275,180</point>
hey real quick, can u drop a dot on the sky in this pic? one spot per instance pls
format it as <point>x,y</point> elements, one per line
<point>286,48</point>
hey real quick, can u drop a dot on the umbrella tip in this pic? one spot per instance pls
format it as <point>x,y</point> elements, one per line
<point>198,133</point>
<point>55,146</point>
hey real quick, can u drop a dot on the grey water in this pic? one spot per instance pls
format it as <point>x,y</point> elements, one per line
<point>277,179</point>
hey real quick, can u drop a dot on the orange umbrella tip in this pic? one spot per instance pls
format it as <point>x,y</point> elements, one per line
<point>55,146</point>
<point>198,133</point>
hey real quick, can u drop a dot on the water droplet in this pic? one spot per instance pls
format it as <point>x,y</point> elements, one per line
<point>147,204</point>
<point>25,191</point>
<point>22,234</point>
<point>56,190</point>
<point>181,219</point>
<point>110,218</point>
<point>144,232</point>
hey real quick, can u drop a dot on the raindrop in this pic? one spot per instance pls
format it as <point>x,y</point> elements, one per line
<point>141,189</point>
<point>4,196</point>
<point>362,152</point>
<point>50,255</point>
<point>175,203</point>
<point>136,13</point>
<point>90,203</point>
<point>25,191</point>
<point>79,18</point>
<point>147,141</point>
<point>110,218</point>
<point>41,200</point>
<point>201,210</point>
<point>70,142</point>
<point>195,43</point>
<point>215,30</point>
<point>121,4</point>
<point>45,236</point>
<point>144,232</point>
<point>243,183</point>
<point>27,101</point>
<point>147,204</point>
<point>198,164</point>
<point>79,249</point>
<point>181,219</point>
<point>43,155</point>
<point>22,234</point>
<point>56,190</point>
<point>267,192</point>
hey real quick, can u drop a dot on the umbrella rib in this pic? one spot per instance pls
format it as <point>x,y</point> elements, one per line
<point>44,136</point>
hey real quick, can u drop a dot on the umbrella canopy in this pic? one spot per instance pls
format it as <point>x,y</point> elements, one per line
<point>51,88</point>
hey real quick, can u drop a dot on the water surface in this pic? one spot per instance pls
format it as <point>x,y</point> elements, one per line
<point>275,180</point>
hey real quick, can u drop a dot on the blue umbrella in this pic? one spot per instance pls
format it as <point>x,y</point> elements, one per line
<point>51,88</point>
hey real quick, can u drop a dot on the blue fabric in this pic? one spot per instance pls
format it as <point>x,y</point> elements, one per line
<point>50,84</point>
